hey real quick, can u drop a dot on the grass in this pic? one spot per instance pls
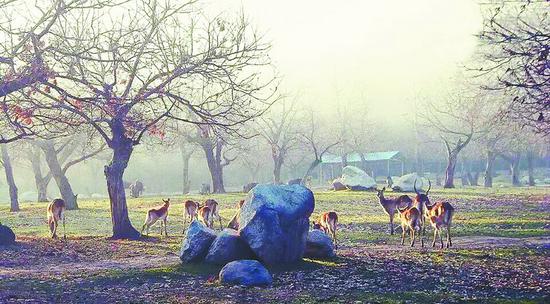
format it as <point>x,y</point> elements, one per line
<point>502,212</point>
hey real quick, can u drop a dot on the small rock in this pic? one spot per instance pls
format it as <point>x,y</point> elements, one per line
<point>7,237</point>
<point>228,247</point>
<point>246,273</point>
<point>319,245</point>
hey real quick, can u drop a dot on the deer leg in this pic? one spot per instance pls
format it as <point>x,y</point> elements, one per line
<point>435,237</point>
<point>413,236</point>
<point>165,229</point>
<point>422,222</point>
<point>403,235</point>
<point>391,224</point>
<point>441,239</point>
<point>54,235</point>
<point>64,233</point>
<point>449,242</point>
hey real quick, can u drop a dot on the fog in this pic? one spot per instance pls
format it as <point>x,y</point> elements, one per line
<point>385,59</point>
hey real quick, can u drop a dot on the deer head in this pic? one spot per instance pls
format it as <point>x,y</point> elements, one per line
<point>422,197</point>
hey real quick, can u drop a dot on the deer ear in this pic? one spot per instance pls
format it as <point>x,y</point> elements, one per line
<point>384,189</point>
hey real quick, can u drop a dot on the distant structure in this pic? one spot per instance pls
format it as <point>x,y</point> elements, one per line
<point>377,163</point>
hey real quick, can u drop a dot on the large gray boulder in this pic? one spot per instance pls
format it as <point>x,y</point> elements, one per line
<point>406,183</point>
<point>228,247</point>
<point>357,179</point>
<point>7,237</point>
<point>274,222</point>
<point>196,242</point>
<point>245,272</point>
<point>319,245</point>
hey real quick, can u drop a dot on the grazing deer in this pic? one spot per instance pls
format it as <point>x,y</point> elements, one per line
<point>410,220</point>
<point>328,223</point>
<point>421,200</point>
<point>55,213</point>
<point>155,214</point>
<point>440,215</point>
<point>205,216</point>
<point>391,205</point>
<point>190,209</point>
<point>214,211</point>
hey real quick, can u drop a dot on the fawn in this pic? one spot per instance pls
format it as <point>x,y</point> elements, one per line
<point>205,216</point>
<point>155,214</point>
<point>410,220</point>
<point>55,213</point>
<point>190,209</point>
<point>328,223</point>
<point>214,211</point>
<point>440,215</point>
<point>391,205</point>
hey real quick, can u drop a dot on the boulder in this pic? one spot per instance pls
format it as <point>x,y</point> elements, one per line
<point>196,242</point>
<point>7,237</point>
<point>406,183</point>
<point>337,185</point>
<point>245,272</point>
<point>248,187</point>
<point>228,247</point>
<point>357,179</point>
<point>319,245</point>
<point>274,222</point>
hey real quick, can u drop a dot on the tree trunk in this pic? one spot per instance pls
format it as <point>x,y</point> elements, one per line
<point>277,165</point>
<point>186,156</point>
<point>215,167</point>
<point>40,181</point>
<point>312,167</point>
<point>122,150</point>
<point>489,171</point>
<point>450,171</point>
<point>6,161</point>
<point>530,170</point>
<point>58,175</point>
<point>514,168</point>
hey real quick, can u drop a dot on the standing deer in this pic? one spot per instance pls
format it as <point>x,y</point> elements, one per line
<point>411,221</point>
<point>440,215</point>
<point>205,216</point>
<point>55,213</point>
<point>234,223</point>
<point>328,222</point>
<point>190,209</point>
<point>214,211</point>
<point>391,205</point>
<point>155,214</point>
<point>421,200</point>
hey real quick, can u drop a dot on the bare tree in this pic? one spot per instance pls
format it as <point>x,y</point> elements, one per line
<point>456,119</point>
<point>279,129</point>
<point>319,140</point>
<point>125,74</point>
<point>514,49</point>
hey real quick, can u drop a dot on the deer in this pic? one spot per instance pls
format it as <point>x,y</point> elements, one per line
<point>411,221</point>
<point>421,201</point>
<point>55,213</point>
<point>234,223</point>
<point>205,216</point>
<point>190,209</point>
<point>328,223</point>
<point>391,205</point>
<point>214,211</point>
<point>440,215</point>
<point>155,214</point>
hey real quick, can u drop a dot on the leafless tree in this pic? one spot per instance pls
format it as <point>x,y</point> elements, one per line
<point>8,169</point>
<point>279,128</point>
<point>514,48</point>
<point>126,72</point>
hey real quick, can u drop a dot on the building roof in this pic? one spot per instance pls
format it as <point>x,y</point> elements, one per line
<point>356,157</point>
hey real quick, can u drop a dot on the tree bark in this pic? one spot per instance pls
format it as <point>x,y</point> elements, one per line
<point>514,168</point>
<point>122,150</point>
<point>489,171</point>
<point>530,165</point>
<point>278,161</point>
<point>215,166</point>
<point>186,156</point>
<point>450,171</point>
<point>58,175</point>
<point>8,169</point>
<point>40,181</point>
<point>312,167</point>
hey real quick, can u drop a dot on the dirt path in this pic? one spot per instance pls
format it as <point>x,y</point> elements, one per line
<point>148,262</point>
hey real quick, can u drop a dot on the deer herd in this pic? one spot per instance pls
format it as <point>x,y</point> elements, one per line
<point>413,214</point>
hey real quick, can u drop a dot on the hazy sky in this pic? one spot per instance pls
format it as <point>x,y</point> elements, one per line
<point>381,53</point>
